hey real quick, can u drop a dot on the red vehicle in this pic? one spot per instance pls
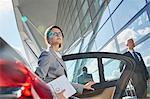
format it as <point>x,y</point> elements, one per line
<point>17,81</point>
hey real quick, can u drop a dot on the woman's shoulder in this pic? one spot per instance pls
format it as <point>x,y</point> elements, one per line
<point>45,52</point>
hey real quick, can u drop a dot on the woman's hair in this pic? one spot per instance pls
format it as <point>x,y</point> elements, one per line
<point>49,30</point>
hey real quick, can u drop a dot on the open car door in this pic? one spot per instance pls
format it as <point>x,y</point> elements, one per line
<point>105,70</point>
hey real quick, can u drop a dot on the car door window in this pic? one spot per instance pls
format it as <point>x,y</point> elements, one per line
<point>111,69</point>
<point>81,76</point>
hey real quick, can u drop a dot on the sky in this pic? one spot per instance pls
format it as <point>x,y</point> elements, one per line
<point>8,27</point>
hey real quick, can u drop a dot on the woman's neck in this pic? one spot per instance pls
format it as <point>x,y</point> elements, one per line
<point>55,48</point>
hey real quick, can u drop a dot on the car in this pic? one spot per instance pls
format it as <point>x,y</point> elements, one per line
<point>19,82</point>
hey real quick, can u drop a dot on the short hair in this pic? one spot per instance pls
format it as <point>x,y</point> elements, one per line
<point>84,69</point>
<point>49,29</point>
<point>126,43</point>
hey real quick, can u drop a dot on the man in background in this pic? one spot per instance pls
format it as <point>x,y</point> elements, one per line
<point>140,76</point>
<point>85,76</point>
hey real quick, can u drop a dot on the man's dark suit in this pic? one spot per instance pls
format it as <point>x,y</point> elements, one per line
<point>85,78</point>
<point>140,77</point>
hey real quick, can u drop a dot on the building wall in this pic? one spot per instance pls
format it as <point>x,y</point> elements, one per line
<point>104,26</point>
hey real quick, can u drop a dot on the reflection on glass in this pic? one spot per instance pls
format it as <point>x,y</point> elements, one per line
<point>104,17</point>
<point>86,22</point>
<point>104,34</point>
<point>74,15</point>
<point>96,76</point>
<point>125,12</point>
<point>92,67</point>
<point>83,10</point>
<point>113,4</point>
<point>66,42</point>
<point>74,48</point>
<point>75,71</point>
<point>144,49</point>
<point>100,2</point>
<point>75,27</point>
<point>85,77</point>
<point>79,4</point>
<point>111,70</point>
<point>111,47</point>
<point>70,65</point>
<point>139,28</point>
<point>94,8</point>
<point>87,39</point>
<point>77,36</point>
<point>94,47</point>
<point>72,6</point>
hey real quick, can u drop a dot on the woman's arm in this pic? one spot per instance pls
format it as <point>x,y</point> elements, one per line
<point>79,87</point>
<point>43,63</point>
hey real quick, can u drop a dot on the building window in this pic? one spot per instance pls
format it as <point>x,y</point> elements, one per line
<point>138,29</point>
<point>94,47</point>
<point>105,33</point>
<point>111,47</point>
<point>103,18</point>
<point>86,22</point>
<point>79,4</point>
<point>113,4</point>
<point>94,8</point>
<point>125,12</point>
<point>77,34</point>
<point>86,40</point>
<point>83,10</point>
<point>75,13</point>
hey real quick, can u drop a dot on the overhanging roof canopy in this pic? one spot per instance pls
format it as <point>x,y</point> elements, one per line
<point>40,14</point>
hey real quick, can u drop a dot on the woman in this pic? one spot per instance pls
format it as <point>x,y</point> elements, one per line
<point>50,62</point>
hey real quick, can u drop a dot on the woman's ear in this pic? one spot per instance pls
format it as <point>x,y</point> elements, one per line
<point>50,41</point>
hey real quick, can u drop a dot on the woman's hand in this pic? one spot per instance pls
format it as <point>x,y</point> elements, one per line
<point>61,95</point>
<point>88,85</point>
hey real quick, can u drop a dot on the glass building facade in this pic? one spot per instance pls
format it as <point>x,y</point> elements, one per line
<point>103,26</point>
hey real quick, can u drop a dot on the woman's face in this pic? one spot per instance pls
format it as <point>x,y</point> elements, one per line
<point>57,39</point>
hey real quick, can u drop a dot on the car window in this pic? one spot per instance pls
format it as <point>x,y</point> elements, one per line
<point>80,75</point>
<point>111,70</point>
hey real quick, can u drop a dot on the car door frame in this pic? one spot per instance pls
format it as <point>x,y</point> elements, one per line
<point>120,84</point>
